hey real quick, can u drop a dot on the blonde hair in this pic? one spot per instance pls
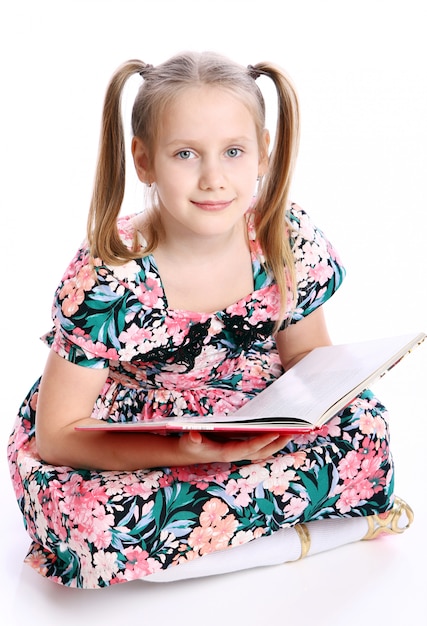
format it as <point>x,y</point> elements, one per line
<point>161,85</point>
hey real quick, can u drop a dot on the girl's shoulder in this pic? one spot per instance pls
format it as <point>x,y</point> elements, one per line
<point>297,224</point>
<point>128,228</point>
<point>305,234</point>
<point>88,273</point>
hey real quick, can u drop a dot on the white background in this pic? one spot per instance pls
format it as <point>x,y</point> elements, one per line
<point>360,71</point>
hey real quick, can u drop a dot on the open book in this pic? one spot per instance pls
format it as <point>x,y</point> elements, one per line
<point>300,400</point>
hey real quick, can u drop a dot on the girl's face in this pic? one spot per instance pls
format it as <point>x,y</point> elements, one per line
<point>206,162</point>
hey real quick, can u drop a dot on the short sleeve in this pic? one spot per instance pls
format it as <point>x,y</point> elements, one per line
<point>91,307</point>
<point>319,271</point>
<point>73,333</point>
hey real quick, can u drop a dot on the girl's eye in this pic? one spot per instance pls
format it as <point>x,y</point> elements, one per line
<point>233,152</point>
<point>185,154</point>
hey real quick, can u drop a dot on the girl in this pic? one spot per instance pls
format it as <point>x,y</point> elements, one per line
<point>192,306</point>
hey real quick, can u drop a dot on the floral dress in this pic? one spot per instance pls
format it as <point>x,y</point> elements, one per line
<point>97,528</point>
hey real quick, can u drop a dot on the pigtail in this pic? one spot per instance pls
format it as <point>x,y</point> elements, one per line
<point>109,185</point>
<point>272,202</point>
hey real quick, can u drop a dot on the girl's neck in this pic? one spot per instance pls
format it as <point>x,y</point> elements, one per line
<point>187,247</point>
<point>205,274</point>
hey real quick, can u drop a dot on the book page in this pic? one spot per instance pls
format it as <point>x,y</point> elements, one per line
<point>326,376</point>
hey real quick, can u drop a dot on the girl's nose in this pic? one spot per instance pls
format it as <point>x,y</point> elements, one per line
<point>211,175</point>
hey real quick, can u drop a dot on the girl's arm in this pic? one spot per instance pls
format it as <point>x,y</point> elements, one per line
<point>299,339</point>
<point>67,395</point>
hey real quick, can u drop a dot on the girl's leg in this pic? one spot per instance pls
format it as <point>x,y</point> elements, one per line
<point>167,519</point>
<point>291,544</point>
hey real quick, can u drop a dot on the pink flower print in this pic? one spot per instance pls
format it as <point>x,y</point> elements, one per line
<point>306,229</point>
<point>280,477</point>
<point>380,426</point>
<point>232,487</point>
<point>85,278</point>
<point>80,260</point>
<point>37,561</point>
<point>254,473</point>
<point>295,459</point>
<point>301,272</point>
<point>199,538</point>
<point>126,271</point>
<point>159,336</point>
<point>81,496</point>
<point>208,358</point>
<point>349,466</point>
<point>71,303</point>
<point>97,527</point>
<point>95,348</point>
<point>269,305</point>
<point>331,428</point>
<point>383,451</point>
<point>215,327</point>
<point>370,465</point>
<point>252,381</point>
<point>67,288</point>
<point>243,492</point>
<point>174,328</point>
<point>139,563</point>
<point>278,483</point>
<point>144,487</point>
<point>192,474</point>
<point>51,512</point>
<point>223,531</point>
<point>134,335</point>
<point>213,510</point>
<point>203,474</point>
<point>363,403</point>
<point>259,532</point>
<point>295,507</point>
<point>378,481</point>
<point>349,499</point>
<point>367,487</point>
<point>166,480</point>
<point>126,229</point>
<point>311,253</point>
<point>188,556</point>
<point>281,463</point>
<point>21,434</point>
<point>367,449</point>
<point>183,320</point>
<point>216,528</point>
<point>16,480</point>
<point>242,537</point>
<point>253,370</point>
<point>239,308</point>
<point>150,292</point>
<point>218,472</point>
<point>106,564</point>
<point>210,547</point>
<point>366,423</point>
<point>321,273</point>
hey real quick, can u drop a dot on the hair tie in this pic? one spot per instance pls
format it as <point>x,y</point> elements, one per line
<point>254,73</point>
<point>146,69</point>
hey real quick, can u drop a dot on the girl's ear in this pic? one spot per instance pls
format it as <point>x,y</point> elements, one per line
<point>263,153</point>
<point>141,160</point>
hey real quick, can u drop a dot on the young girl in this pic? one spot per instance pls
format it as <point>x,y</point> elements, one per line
<point>192,307</point>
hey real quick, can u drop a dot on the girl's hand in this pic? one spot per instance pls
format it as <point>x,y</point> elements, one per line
<point>200,448</point>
